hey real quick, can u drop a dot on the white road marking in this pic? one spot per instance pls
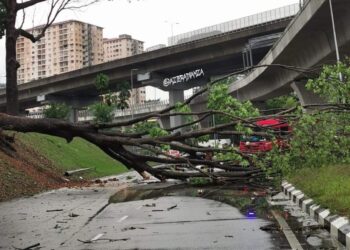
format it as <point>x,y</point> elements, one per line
<point>138,208</point>
<point>292,239</point>
<point>97,237</point>
<point>123,218</point>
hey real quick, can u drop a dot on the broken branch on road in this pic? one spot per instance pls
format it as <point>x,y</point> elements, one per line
<point>102,239</point>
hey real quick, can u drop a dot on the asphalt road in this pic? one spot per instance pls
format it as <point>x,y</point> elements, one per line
<point>194,223</point>
<point>66,218</point>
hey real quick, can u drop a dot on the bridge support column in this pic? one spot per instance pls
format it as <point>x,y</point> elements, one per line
<point>164,122</point>
<point>174,97</point>
<point>75,104</point>
<point>73,115</point>
<point>305,96</point>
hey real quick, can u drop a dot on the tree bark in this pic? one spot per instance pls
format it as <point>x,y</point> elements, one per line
<point>11,62</point>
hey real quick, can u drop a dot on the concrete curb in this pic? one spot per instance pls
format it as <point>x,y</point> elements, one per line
<point>339,227</point>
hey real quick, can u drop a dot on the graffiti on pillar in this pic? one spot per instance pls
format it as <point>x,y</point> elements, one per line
<point>183,78</point>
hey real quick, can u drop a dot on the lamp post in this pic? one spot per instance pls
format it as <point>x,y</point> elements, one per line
<point>172,30</point>
<point>132,91</point>
<point>335,38</point>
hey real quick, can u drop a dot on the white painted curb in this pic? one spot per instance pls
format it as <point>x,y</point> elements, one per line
<point>332,223</point>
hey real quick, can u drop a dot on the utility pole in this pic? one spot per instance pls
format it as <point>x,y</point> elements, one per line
<point>132,91</point>
<point>172,30</point>
<point>335,38</point>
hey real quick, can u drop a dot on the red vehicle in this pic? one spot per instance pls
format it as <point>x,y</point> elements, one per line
<point>256,144</point>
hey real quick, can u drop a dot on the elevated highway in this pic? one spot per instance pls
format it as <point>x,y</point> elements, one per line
<point>215,55</point>
<point>307,42</point>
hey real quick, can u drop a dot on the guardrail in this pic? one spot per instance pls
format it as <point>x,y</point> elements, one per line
<point>142,108</point>
<point>86,115</point>
<point>237,24</point>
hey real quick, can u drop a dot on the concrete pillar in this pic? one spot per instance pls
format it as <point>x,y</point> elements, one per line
<point>75,104</point>
<point>306,97</point>
<point>176,96</point>
<point>164,122</point>
<point>73,115</point>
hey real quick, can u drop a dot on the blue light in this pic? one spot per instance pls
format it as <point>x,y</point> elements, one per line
<point>251,214</point>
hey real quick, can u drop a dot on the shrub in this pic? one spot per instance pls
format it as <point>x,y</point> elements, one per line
<point>57,110</point>
<point>102,112</point>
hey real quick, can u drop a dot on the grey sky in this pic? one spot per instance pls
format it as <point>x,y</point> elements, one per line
<point>150,20</point>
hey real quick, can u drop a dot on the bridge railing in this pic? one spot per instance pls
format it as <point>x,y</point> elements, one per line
<point>237,24</point>
<point>86,115</point>
<point>143,108</point>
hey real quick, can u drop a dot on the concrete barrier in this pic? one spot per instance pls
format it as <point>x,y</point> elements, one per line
<point>339,227</point>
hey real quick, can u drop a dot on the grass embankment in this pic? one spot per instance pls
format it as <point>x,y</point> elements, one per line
<point>77,154</point>
<point>328,186</point>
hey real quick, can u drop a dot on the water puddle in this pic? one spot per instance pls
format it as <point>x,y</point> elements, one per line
<point>249,201</point>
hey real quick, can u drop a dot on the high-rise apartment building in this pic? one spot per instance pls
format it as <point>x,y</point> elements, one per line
<point>121,47</point>
<point>66,46</point>
<point>72,45</point>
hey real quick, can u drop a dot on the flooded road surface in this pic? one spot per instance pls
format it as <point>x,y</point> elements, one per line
<point>186,218</point>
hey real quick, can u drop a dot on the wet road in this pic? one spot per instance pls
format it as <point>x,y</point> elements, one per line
<point>194,223</point>
<point>27,221</point>
<point>190,223</point>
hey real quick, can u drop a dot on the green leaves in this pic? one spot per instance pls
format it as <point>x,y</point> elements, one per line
<point>220,100</point>
<point>102,112</point>
<point>111,99</point>
<point>320,138</point>
<point>284,102</point>
<point>102,82</point>
<point>57,111</point>
<point>333,84</point>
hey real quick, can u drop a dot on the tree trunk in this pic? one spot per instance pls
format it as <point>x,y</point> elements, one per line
<point>11,62</point>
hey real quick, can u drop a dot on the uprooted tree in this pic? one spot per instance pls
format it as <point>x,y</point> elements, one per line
<point>140,147</point>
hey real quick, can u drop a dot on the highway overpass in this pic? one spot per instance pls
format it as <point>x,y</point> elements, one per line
<point>204,58</point>
<point>307,42</point>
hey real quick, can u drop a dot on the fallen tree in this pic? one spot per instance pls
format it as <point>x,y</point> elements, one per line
<point>140,149</point>
<point>113,139</point>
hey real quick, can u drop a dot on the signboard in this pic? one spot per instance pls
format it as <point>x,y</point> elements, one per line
<point>40,98</point>
<point>167,82</point>
<point>143,77</point>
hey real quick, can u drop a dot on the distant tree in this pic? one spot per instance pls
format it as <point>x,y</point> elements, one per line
<point>282,102</point>
<point>9,10</point>
<point>111,99</point>
<point>57,111</point>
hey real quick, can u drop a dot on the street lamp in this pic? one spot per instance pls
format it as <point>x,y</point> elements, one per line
<point>335,37</point>
<point>132,91</point>
<point>172,30</point>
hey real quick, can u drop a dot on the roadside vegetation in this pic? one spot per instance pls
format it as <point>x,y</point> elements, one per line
<point>318,159</point>
<point>329,186</point>
<point>38,163</point>
<point>77,154</point>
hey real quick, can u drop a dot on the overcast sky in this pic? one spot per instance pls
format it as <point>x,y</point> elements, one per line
<point>150,20</point>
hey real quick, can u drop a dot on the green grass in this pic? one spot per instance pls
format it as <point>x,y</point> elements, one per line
<point>77,154</point>
<point>328,186</point>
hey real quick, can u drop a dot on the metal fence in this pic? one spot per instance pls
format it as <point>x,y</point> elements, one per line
<point>237,24</point>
